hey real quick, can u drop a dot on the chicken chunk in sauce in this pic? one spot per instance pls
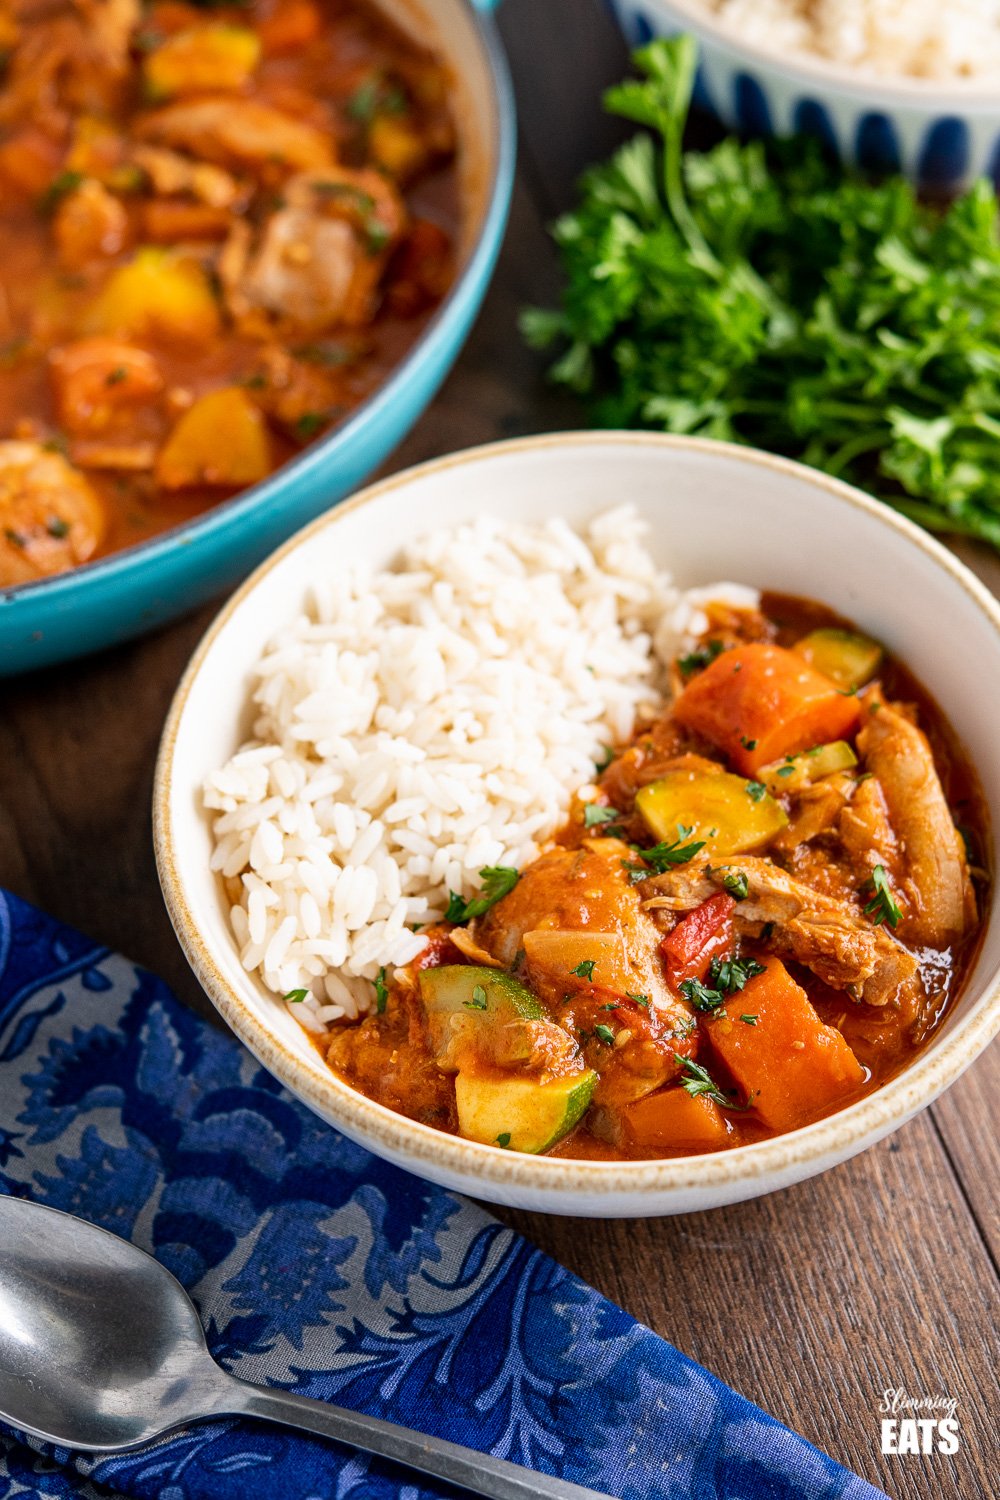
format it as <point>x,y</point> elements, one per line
<point>758,913</point>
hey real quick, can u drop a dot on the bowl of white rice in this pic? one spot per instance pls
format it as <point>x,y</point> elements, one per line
<point>909,86</point>
<point>412,688</point>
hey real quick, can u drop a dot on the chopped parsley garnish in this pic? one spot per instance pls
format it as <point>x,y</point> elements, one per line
<point>786,770</point>
<point>381,992</point>
<point>696,661</point>
<point>882,907</point>
<point>375,97</point>
<point>594,815</point>
<point>503,1139</point>
<point>600,766</point>
<point>747,744</point>
<point>685,1027</point>
<point>605,1034</point>
<point>310,423</point>
<point>611,1005</point>
<point>749,1020</point>
<point>16,538</point>
<point>756,790</point>
<point>666,856</point>
<point>699,1083</point>
<point>737,885</point>
<point>57,527</point>
<point>760,293</point>
<point>60,187</point>
<point>729,974</point>
<point>639,999</point>
<point>701,997</point>
<point>295,997</point>
<point>586,969</point>
<point>478,1001</point>
<point>116,376</point>
<point>498,881</point>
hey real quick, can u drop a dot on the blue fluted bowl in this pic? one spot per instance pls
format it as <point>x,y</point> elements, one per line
<point>939,135</point>
<point>143,586</point>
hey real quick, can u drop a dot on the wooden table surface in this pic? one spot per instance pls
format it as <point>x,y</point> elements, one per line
<point>812,1302</point>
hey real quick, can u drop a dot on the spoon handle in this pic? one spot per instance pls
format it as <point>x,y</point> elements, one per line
<point>478,1472</point>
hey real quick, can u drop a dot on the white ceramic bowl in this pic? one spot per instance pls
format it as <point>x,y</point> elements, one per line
<point>716,512</point>
<point>939,133</point>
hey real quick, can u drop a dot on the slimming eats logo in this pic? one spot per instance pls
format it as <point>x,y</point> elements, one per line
<point>918,1424</point>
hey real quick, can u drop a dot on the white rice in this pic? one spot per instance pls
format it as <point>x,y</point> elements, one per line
<point>920,38</point>
<point>416,725</point>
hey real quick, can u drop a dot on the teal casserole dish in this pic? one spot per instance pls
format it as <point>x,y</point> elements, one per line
<point>134,590</point>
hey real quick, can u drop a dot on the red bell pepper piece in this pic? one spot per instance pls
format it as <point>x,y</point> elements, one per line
<point>701,935</point>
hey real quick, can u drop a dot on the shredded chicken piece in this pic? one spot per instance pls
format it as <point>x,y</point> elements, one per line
<point>939,902</point>
<point>320,257</point>
<point>77,58</point>
<point>865,832</point>
<point>109,25</point>
<point>126,458</point>
<point>238,133</point>
<point>466,944</point>
<point>171,174</point>
<point>815,810</point>
<point>580,890</point>
<point>89,223</point>
<point>50,518</point>
<point>830,937</point>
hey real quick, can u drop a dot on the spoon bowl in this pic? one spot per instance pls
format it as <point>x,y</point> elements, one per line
<point>102,1349</point>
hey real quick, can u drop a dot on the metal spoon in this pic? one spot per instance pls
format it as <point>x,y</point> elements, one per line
<point>102,1349</point>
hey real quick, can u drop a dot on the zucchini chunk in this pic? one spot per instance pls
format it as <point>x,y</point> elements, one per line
<point>800,771</point>
<point>847,658</point>
<point>726,813</point>
<point>521,1113</point>
<point>481,997</point>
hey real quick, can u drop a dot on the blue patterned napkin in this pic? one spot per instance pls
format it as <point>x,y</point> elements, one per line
<point>320,1269</point>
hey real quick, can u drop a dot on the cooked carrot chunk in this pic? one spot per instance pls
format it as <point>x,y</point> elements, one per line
<point>673,1121</point>
<point>289,26</point>
<point>793,1066</point>
<point>759,702</point>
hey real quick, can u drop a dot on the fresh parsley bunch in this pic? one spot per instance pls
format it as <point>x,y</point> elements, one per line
<point>758,294</point>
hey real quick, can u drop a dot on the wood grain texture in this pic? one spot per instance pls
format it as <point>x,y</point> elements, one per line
<point>810,1302</point>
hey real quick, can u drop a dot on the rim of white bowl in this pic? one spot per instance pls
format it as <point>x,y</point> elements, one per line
<point>719,1174</point>
<point>892,87</point>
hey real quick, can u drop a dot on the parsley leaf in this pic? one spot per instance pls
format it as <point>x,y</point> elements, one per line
<point>594,815</point>
<point>586,969</point>
<point>699,1082</point>
<point>666,856</point>
<point>503,1139</point>
<point>498,881</point>
<point>756,790</point>
<point>737,885</point>
<point>759,293</point>
<point>478,1001</point>
<point>729,974</point>
<point>295,997</point>
<point>696,661</point>
<point>605,1034</point>
<point>701,997</point>
<point>882,907</point>
<point>381,992</point>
